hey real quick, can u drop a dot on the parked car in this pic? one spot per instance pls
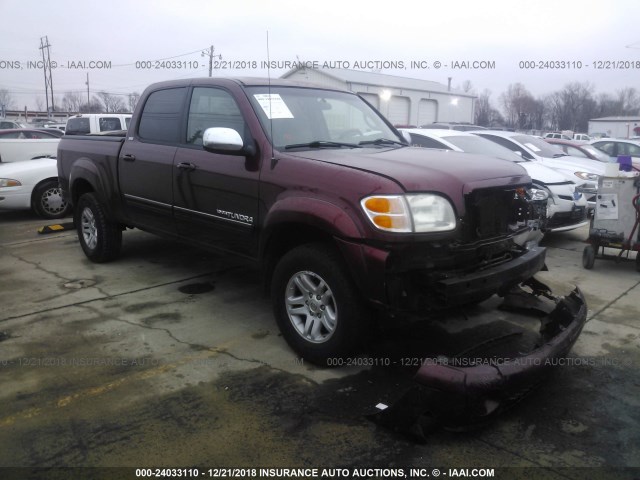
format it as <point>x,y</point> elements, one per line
<point>462,127</point>
<point>566,210</point>
<point>7,124</point>
<point>581,137</point>
<point>556,135</point>
<point>56,132</point>
<point>614,147</point>
<point>86,123</point>
<point>30,133</point>
<point>26,144</point>
<point>575,149</point>
<point>55,126</point>
<point>584,171</point>
<point>33,186</point>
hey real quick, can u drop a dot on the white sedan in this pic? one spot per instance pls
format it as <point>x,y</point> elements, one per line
<point>566,209</point>
<point>32,185</point>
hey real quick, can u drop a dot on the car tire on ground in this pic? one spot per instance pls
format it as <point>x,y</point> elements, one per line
<point>637,261</point>
<point>47,200</point>
<point>588,257</point>
<point>317,307</point>
<point>99,237</point>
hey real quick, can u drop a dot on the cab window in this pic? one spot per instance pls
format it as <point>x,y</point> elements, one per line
<point>210,108</point>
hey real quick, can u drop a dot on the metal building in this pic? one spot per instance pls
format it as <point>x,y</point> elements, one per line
<point>616,127</point>
<point>404,101</point>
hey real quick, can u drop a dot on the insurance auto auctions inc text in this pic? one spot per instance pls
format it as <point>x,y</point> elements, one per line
<point>369,473</point>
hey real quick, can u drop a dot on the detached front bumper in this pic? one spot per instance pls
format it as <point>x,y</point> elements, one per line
<point>449,394</point>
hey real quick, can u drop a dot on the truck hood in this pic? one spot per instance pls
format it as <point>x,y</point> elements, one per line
<point>424,170</point>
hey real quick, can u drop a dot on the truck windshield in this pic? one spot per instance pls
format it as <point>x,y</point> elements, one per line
<point>307,118</point>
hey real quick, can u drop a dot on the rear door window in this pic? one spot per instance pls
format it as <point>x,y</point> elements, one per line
<point>160,121</point>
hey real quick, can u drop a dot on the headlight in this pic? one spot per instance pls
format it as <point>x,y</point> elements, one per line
<point>8,182</point>
<point>410,213</point>
<point>586,176</point>
<point>539,194</point>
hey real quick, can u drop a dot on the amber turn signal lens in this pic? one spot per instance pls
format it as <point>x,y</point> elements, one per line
<point>379,205</point>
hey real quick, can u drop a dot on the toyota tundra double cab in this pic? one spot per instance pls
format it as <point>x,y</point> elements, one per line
<point>318,189</point>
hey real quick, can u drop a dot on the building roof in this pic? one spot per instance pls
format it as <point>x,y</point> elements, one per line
<point>384,80</point>
<point>616,119</point>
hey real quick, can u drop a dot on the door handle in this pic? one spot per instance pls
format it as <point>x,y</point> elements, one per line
<point>186,166</point>
<point>128,157</point>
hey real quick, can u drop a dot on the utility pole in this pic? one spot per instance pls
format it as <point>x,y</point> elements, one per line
<point>209,53</point>
<point>46,67</point>
<point>88,101</point>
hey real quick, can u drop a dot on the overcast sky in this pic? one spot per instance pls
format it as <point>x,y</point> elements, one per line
<point>578,33</point>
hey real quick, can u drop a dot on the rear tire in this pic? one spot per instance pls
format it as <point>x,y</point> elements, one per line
<point>317,307</point>
<point>47,200</point>
<point>99,237</point>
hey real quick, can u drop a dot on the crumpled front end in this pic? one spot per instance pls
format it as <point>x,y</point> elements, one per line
<point>467,390</point>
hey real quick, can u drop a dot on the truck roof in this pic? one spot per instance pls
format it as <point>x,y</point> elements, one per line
<point>244,81</point>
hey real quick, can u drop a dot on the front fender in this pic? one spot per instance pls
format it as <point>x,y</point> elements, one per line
<point>321,214</point>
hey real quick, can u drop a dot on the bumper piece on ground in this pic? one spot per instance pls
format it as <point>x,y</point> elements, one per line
<point>448,395</point>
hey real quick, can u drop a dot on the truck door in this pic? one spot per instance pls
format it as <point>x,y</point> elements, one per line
<point>146,160</point>
<point>215,196</point>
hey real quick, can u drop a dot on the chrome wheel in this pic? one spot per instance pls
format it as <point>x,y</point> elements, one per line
<point>52,202</point>
<point>89,229</point>
<point>311,307</point>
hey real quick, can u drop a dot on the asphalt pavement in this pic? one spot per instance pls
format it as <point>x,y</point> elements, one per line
<point>170,357</point>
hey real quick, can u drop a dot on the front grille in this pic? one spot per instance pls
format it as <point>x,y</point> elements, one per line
<point>494,212</point>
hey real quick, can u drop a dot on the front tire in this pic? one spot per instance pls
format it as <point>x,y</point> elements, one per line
<point>48,202</point>
<point>317,307</point>
<point>99,237</point>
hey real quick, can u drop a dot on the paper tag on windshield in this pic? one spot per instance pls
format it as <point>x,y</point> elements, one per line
<point>273,105</point>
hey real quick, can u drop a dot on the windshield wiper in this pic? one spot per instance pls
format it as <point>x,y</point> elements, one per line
<point>382,141</point>
<point>321,144</point>
<point>558,155</point>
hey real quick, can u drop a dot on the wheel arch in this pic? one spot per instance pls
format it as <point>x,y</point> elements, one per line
<point>39,184</point>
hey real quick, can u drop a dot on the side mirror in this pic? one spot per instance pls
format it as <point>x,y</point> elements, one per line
<point>518,152</point>
<point>225,141</point>
<point>406,136</point>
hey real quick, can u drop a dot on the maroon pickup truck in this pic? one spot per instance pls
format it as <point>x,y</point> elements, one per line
<point>316,187</point>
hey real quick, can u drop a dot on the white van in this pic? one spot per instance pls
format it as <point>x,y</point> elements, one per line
<point>86,123</point>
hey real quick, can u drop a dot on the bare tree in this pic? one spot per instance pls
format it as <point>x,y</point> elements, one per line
<point>485,114</point>
<point>628,101</point>
<point>133,100</point>
<point>519,106</point>
<point>40,103</point>
<point>94,106</point>
<point>71,101</point>
<point>467,87</point>
<point>483,109</point>
<point>572,107</point>
<point>606,106</point>
<point>112,103</point>
<point>6,100</point>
